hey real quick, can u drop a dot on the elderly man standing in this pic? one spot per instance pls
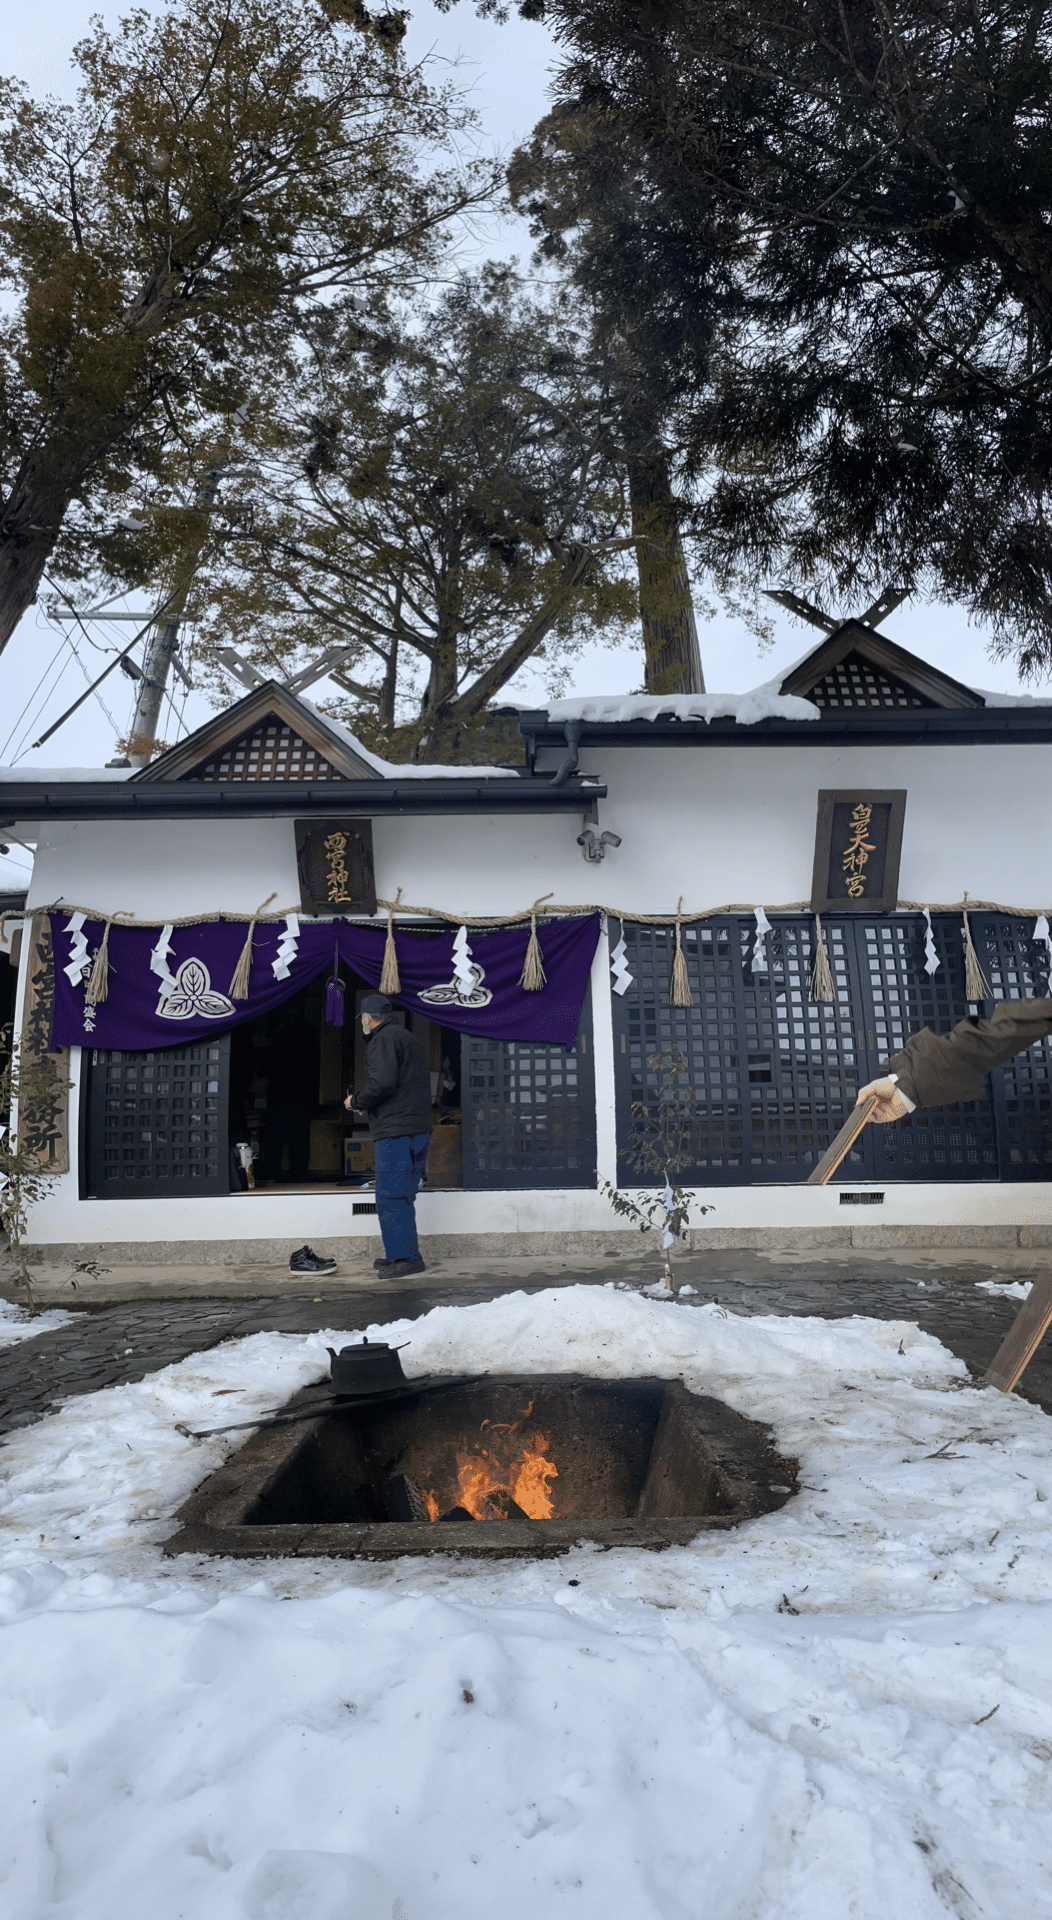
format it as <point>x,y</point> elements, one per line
<point>397,1098</point>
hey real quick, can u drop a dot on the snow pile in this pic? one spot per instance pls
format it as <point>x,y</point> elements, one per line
<point>1008,1289</point>
<point>16,1324</point>
<point>841,1709</point>
<point>760,703</point>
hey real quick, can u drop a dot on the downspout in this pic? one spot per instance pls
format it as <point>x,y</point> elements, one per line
<point>572,731</point>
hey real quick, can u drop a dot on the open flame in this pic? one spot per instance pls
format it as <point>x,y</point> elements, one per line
<point>509,1469</point>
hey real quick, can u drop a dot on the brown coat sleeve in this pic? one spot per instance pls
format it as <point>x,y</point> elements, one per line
<point>937,1070</point>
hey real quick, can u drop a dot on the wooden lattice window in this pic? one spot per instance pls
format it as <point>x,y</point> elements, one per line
<point>270,751</point>
<point>856,682</point>
<point>529,1112</point>
<point>157,1122</point>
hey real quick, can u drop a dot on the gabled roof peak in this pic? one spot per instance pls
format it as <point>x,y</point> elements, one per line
<point>269,735</point>
<point>857,667</point>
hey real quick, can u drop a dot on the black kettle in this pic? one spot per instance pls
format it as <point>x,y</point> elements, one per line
<point>367,1369</point>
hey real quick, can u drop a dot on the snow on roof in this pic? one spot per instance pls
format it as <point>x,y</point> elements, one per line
<point>53,775</point>
<point>1015,699</point>
<point>404,770</point>
<point>760,703</point>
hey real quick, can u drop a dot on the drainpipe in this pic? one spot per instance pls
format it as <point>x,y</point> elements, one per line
<point>572,731</point>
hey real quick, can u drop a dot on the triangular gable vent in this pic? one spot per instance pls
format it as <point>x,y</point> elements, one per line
<point>271,750</point>
<point>855,682</point>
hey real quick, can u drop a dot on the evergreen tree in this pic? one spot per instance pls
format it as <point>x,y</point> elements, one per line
<point>875,176</point>
<point>225,167</point>
<point>437,492</point>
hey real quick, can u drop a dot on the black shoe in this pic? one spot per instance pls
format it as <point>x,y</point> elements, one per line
<point>400,1269</point>
<point>305,1260</point>
<point>382,1262</point>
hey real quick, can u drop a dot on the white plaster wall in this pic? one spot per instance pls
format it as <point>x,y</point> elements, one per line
<point>722,825</point>
<point>290,1219</point>
<point>717,825</point>
<point>166,869</point>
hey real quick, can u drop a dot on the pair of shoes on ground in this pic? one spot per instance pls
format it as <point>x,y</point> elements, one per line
<point>305,1260</point>
<point>398,1269</point>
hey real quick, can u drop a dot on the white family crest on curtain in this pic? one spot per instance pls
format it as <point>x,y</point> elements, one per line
<point>193,996</point>
<point>79,965</point>
<point>466,988</point>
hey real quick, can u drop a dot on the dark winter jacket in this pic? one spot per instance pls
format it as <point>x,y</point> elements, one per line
<point>397,1090</point>
<point>937,1070</point>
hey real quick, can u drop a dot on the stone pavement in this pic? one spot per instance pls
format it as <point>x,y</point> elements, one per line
<point>111,1341</point>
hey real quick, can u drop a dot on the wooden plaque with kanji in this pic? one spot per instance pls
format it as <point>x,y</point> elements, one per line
<point>335,863</point>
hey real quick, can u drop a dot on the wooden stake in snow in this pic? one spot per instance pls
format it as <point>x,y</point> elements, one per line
<point>1023,1338</point>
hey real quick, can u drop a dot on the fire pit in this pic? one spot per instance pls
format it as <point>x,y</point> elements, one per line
<point>496,1466</point>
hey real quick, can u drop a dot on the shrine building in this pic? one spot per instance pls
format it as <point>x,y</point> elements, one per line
<point>647,885</point>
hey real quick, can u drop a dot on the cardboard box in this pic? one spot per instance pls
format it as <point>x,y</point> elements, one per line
<point>359,1155</point>
<point>445,1158</point>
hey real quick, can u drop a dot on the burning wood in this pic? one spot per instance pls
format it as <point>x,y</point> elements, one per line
<point>510,1479</point>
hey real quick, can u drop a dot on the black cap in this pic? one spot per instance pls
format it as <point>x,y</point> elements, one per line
<point>377,1005</point>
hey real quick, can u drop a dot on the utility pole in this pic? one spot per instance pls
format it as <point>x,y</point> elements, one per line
<point>164,639</point>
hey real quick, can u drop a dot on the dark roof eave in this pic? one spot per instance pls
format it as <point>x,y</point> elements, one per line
<point>864,726</point>
<point>35,800</point>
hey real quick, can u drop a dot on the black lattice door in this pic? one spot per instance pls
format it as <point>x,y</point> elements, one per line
<point>898,998</point>
<point>774,1076</point>
<point>157,1122</point>
<point>1017,969</point>
<point>529,1112</point>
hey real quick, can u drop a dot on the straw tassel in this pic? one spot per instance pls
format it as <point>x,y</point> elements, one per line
<point>242,972</point>
<point>976,985</point>
<point>99,985</point>
<point>389,979</point>
<point>680,994</point>
<point>821,978</point>
<point>533,977</point>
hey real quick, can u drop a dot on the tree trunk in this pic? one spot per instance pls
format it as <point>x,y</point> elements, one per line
<point>24,552</point>
<point>670,636</point>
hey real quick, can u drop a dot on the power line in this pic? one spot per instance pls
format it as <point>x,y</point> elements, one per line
<point>36,690</point>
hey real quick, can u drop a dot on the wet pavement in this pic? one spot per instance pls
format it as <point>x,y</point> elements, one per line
<point>109,1345</point>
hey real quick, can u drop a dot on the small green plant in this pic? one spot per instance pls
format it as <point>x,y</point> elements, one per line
<point>661,1149</point>
<point>33,1087</point>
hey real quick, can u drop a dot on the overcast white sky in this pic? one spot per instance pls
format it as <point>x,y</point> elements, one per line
<point>506,68</point>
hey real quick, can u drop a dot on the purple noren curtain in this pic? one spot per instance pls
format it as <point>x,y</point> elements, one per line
<point>157,999</point>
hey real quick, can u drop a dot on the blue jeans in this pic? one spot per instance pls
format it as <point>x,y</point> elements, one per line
<point>400,1167</point>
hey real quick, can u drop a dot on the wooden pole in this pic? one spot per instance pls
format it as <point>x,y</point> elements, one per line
<point>845,1139</point>
<point>1023,1338</point>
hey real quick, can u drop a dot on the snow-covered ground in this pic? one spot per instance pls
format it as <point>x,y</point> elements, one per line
<point>840,1710</point>
<point>16,1324</point>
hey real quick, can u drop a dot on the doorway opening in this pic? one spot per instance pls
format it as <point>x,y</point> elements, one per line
<point>289,1072</point>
